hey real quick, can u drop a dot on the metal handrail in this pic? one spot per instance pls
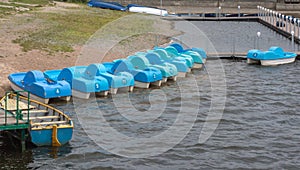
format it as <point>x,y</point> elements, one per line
<point>19,115</point>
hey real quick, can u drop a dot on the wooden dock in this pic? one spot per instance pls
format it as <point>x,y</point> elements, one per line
<point>200,18</point>
<point>233,56</point>
<point>11,119</point>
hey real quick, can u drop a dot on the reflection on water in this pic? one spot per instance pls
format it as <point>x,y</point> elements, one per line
<point>259,128</point>
<point>10,157</point>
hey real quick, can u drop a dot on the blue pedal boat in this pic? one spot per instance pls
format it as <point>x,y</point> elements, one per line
<point>142,78</point>
<point>66,74</point>
<point>83,80</point>
<point>47,126</point>
<point>173,53</point>
<point>180,63</point>
<point>198,54</point>
<point>168,71</point>
<point>121,80</point>
<point>41,88</point>
<point>274,56</point>
<point>107,5</point>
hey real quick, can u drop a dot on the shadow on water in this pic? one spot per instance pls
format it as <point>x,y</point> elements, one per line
<point>12,157</point>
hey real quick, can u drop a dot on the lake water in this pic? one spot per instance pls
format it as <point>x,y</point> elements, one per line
<point>258,127</point>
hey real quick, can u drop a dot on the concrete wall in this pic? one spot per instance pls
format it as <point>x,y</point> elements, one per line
<point>288,7</point>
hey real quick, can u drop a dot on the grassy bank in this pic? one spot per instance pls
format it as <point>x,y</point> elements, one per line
<point>60,30</point>
<point>38,2</point>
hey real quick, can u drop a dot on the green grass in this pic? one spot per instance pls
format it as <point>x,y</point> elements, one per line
<point>62,30</point>
<point>11,11</point>
<point>12,4</point>
<point>6,11</point>
<point>39,2</point>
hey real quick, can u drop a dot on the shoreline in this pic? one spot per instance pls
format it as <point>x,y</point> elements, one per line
<point>14,59</point>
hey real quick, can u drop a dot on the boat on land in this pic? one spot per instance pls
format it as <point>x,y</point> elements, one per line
<point>142,60</point>
<point>198,59</point>
<point>45,125</point>
<point>147,10</point>
<point>143,77</point>
<point>41,88</point>
<point>106,5</point>
<point>274,56</point>
<point>180,63</point>
<point>82,79</point>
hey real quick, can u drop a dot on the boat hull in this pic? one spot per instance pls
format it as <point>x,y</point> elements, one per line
<point>197,66</point>
<point>86,95</point>
<point>271,62</point>
<point>107,5</point>
<point>43,137</point>
<point>148,10</point>
<point>276,62</point>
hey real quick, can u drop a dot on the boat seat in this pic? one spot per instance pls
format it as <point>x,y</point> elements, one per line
<point>35,111</point>
<point>49,123</point>
<point>139,62</point>
<point>44,117</point>
<point>153,58</point>
<point>33,76</point>
<point>178,47</point>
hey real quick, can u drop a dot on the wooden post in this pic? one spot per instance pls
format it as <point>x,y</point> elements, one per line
<point>23,140</point>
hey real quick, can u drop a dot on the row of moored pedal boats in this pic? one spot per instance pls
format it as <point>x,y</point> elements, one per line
<point>141,70</point>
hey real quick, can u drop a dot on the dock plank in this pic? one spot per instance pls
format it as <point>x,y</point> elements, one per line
<point>12,105</point>
<point>49,123</point>
<point>11,120</point>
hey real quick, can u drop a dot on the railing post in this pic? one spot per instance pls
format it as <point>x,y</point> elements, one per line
<point>294,25</point>
<point>271,17</point>
<point>268,14</point>
<point>18,111</point>
<point>28,100</point>
<point>293,45</point>
<point>6,94</point>
<point>276,18</point>
<point>258,35</point>
<point>298,28</point>
<point>264,13</point>
<point>284,21</point>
